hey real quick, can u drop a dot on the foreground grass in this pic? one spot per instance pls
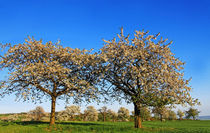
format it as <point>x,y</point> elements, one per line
<point>107,127</point>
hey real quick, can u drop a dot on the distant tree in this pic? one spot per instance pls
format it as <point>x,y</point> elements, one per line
<point>38,70</point>
<point>11,117</point>
<point>192,113</point>
<point>180,114</point>
<point>123,114</point>
<point>143,71</point>
<point>172,115</point>
<point>72,111</point>
<point>37,113</point>
<point>103,112</point>
<point>69,113</point>
<point>62,116</point>
<point>145,113</point>
<point>112,115</point>
<point>161,112</point>
<point>90,114</point>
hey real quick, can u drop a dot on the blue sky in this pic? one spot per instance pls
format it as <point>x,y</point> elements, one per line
<point>84,23</point>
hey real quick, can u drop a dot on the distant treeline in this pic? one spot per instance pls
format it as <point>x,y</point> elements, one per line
<point>73,113</point>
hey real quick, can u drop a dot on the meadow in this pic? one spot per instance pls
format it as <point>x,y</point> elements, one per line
<point>184,126</point>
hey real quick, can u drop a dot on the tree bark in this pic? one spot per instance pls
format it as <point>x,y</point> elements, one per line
<point>52,115</point>
<point>137,117</point>
<point>161,117</point>
<point>104,117</point>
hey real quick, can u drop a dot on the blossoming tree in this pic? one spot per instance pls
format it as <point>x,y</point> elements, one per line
<point>144,71</point>
<point>40,70</point>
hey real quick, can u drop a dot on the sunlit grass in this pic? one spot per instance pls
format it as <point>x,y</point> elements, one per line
<point>106,127</point>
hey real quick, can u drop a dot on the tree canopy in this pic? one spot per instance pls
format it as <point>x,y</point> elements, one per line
<point>142,70</point>
<point>192,113</point>
<point>40,70</point>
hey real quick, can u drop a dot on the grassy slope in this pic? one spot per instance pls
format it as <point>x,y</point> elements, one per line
<point>107,127</point>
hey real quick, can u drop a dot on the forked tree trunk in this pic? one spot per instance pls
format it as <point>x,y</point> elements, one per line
<point>137,117</point>
<point>52,115</point>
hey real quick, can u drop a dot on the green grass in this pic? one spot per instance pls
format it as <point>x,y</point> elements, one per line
<point>186,126</point>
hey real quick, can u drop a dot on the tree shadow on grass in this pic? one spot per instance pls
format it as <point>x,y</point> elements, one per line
<point>79,123</point>
<point>30,122</point>
<point>6,123</point>
<point>60,123</point>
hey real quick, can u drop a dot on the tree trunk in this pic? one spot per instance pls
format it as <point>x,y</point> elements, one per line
<point>104,117</point>
<point>52,115</point>
<point>161,117</point>
<point>137,117</point>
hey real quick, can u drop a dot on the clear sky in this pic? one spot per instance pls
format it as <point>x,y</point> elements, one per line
<point>84,23</point>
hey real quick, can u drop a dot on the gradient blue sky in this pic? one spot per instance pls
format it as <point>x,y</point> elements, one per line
<point>84,23</point>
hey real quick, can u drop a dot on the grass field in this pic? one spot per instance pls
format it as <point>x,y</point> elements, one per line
<point>107,127</point>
